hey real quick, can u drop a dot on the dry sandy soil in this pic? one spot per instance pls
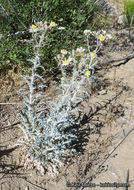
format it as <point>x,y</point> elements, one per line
<point>108,128</point>
<point>118,4</point>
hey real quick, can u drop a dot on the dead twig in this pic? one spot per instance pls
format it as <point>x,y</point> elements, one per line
<point>16,15</point>
<point>110,153</point>
<point>126,59</point>
<point>35,185</point>
<point>127,180</point>
<point>13,124</point>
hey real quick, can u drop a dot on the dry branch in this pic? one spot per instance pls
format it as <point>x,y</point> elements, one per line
<point>16,15</point>
<point>125,59</point>
<point>110,153</point>
<point>37,186</point>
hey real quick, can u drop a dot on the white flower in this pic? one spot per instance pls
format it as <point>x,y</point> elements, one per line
<point>101,37</point>
<point>65,62</point>
<point>58,56</point>
<point>69,59</point>
<point>61,28</point>
<point>92,55</point>
<point>109,36</point>
<point>41,25</point>
<point>63,51</point>
<point>33,28</point>
<point>103,32</point>
<point>86,32</point>
<point>53,24</point>
<point>80,50</point>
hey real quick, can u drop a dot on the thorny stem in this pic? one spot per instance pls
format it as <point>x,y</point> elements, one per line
<point>35,61</point>
<point>88,46</point>
<point>78,87</point>
<point>73,79</point>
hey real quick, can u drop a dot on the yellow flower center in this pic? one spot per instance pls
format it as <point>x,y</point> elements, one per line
<point>69,59</point>
<point>52,24</point>
<point>34,26</point>
<point>92,54</point>
<point>65,62</point>
<point>87,73</point>
<point>102,38</point>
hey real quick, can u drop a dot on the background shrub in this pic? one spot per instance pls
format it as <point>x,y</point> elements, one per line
<point>74,15</point>
<point>129,10</point>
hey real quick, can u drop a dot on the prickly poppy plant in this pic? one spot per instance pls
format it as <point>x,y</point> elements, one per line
<point>48,126</point>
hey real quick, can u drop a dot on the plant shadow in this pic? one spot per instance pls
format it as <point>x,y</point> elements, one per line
<point>8,168</point>
<point>91,123</point>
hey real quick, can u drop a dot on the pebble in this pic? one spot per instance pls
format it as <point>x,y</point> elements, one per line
<point>27,188</point>
<point>122,20</point>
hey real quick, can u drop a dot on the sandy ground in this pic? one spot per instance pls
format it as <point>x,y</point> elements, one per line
<point>118,4</point>
<point>120,162</point>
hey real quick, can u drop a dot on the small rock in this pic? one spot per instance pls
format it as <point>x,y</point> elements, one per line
<point>26,188</point>
<point>125,32</point>
<point>122,20</point>
<point>102,92</point>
